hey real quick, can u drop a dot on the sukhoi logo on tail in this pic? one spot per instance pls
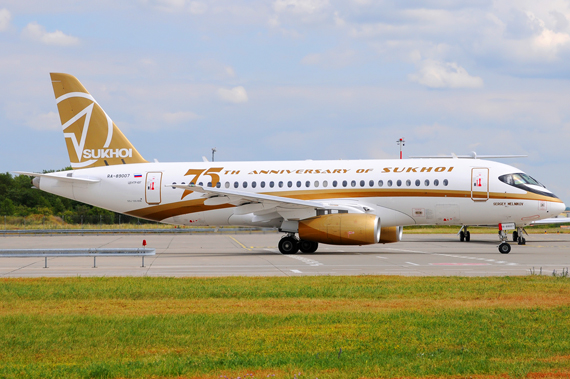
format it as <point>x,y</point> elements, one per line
<point>107,153</point>
<point>86,157</point>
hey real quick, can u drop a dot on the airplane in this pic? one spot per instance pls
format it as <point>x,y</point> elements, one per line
<point>337,202</point>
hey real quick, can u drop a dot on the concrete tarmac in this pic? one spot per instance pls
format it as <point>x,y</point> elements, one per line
<point>257,255</point>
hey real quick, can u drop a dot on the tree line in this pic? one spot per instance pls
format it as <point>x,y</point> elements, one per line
<point>18,198</point>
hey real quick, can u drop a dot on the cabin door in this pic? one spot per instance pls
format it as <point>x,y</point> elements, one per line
<point>480,184</point>
<point>153,185</point>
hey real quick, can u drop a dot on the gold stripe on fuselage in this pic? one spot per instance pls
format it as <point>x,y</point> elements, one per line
<point>164,211</point>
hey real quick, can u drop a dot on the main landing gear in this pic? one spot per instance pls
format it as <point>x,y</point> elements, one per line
<point>517,236</point>
<point>464,234</point>
<point>290,244</point>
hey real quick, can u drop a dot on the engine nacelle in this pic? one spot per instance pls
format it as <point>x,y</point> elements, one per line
<point>341,229</point>
<point>391,234</point>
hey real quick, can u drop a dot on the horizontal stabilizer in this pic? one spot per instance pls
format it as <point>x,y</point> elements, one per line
<point>69,179</point>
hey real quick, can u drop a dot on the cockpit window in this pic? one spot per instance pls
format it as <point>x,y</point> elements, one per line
<point>519,179</point>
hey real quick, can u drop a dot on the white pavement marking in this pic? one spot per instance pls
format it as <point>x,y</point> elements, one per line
<point>409,251</point>
<point>413,264</point>
<point>296,271</point>
<point>381,257</point>
<point>308,261</point>
<point>452,256</point>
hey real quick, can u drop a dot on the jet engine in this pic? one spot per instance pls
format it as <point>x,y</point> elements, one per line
<point>341,229</point>
<point>391,234</point>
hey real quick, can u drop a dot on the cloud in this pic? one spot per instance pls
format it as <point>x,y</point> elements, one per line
<point>193,7</point>
<point>330,59</point>
<point>45,121</point>
<point>300,6</point>
<point>5,18</point>
<point>216,69</point>
<point>235,95</point>
<point>36,32</point>
<point>436,74</point>
<point>179,117</point>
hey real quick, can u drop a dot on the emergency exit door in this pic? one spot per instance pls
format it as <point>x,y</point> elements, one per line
<point>153,185</point>
<point>480,184</point>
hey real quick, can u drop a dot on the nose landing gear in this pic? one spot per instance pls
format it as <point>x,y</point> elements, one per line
<point>504,247</point>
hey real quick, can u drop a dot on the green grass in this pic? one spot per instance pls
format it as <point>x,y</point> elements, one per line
<point>325,327</point>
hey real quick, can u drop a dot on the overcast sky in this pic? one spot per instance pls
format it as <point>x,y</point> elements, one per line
<point>295,79</point>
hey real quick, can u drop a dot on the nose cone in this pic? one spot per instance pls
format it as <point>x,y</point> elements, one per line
<point>557,208</point>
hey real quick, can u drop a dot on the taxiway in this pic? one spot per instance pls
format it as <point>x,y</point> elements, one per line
<point>257,255</point>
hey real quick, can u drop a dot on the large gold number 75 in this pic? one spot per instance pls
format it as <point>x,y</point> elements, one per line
<point>196,172</point>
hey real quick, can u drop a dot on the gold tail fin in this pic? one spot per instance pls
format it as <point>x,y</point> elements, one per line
<point>92,138</point>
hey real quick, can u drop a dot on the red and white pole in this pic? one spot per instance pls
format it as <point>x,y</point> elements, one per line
<point>401,142</point>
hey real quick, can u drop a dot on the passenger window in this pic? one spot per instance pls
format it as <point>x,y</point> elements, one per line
<point>307,184</point>
<point>380,183</point>
<point>371,183</point>
<point>209,184</point>
<point>316,183</point>
<point>289,184</point>
<point>201,184</point>
<point>418,182</point>
<point>244,184</point>
<point>280,184</point>
<point>436,182</point>
<point>389,183</point>
<point>253,184</point>
<point>218,184</point>
<point>362,183</point>
<point>325,183</point>
<point>445,182</point>
<point>173,183</point>
<point>399,183</point>
<point>426,182</point>
<point>271,184</point>
<point>236,184</point>
<point>227,184</point>
<point>344,183</point>
<point>408,182</point>
<point>353,183</point>
<point>335,183</point>
<point>298,183</point>
<point>262,184</point>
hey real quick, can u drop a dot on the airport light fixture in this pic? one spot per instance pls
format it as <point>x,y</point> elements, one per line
<point>401,142</point>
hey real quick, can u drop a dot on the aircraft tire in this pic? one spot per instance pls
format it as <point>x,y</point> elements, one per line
<point>467,236</point>
<point>308,246</point>
<point>515,236</point>
<point>461,236</point>
<point>288,245</point>
<point>521,241</point>
<point>504,248</point>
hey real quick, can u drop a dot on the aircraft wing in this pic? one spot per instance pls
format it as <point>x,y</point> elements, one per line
<point>553,220</point>
<point>247,200</point>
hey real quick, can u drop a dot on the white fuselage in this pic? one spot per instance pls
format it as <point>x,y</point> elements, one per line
<point>400,192</point>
